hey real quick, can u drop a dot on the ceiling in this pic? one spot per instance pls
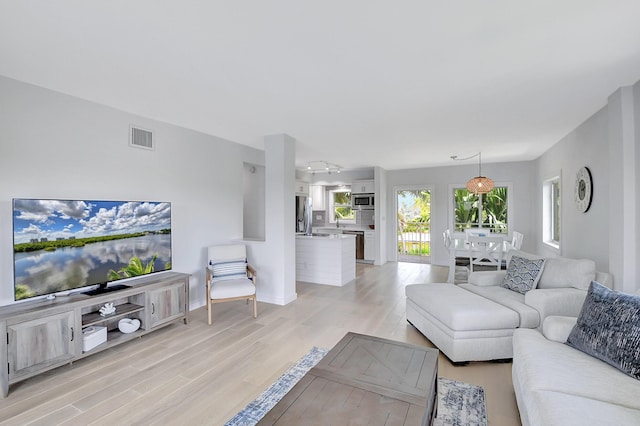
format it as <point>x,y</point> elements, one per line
<point>396,84</point>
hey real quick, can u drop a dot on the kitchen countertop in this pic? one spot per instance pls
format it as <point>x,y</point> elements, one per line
<point>325,236</point>
<point>344,228</point>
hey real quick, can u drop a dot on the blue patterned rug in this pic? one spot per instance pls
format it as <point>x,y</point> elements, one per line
<point>252,413</point>
<point>459,404</point>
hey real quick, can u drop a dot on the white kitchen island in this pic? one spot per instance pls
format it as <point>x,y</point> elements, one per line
<point>326,259</point>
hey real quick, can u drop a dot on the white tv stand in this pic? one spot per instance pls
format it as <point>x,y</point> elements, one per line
<point>156,300</point>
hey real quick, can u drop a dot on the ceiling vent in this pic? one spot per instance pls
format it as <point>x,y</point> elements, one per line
<point>141,138</point>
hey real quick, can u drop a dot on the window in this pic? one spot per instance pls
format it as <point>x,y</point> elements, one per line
<point>551,204</point>
<point>489,210</point>
<point>340,206</point>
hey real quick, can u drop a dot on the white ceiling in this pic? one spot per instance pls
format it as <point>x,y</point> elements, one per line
<point>396,84</point>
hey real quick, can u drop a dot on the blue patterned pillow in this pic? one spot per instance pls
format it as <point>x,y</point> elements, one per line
<point>228,269</point>
<point>608,328</point>
<point>522,274</point>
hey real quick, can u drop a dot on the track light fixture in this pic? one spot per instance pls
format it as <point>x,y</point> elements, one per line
<point>320,166</point>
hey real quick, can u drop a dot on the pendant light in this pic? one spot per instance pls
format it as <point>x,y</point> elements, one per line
<point>479,184</point>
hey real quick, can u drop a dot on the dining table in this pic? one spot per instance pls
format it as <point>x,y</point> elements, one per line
<point>459,247</point>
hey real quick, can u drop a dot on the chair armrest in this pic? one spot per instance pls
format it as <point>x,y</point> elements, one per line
<point>555,301</point>
<point>251,273</point>
<point>487,278</point>
<point>557,328</point>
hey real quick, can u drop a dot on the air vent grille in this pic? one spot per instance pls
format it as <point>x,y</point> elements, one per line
<point>141,138</point>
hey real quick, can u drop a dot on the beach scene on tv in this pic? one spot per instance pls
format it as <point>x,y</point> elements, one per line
<point>60,245</point>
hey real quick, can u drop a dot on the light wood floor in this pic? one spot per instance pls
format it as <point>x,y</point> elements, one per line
<point>199,374</point>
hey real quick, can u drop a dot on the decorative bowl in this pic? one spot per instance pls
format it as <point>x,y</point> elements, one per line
<point>372,227</point>
<point>128,325</point>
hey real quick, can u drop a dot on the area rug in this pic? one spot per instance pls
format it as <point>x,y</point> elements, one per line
<point>252,413</point>
<point>459,404</point>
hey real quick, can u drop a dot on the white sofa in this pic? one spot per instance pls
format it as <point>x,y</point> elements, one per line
<point>476,321</point>
<point>556,384</point>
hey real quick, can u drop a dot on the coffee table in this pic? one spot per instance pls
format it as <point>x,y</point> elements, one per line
<point>364,380</point>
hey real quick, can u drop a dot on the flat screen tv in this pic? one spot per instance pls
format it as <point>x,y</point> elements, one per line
<point>62,245</point>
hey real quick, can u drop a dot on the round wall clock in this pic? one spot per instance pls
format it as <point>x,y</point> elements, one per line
<point>584,189</point>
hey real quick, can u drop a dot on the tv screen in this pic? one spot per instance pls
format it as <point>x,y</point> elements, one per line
<point>61,245</point>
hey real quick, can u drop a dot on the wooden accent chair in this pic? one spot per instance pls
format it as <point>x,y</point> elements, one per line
<point>230,277</point>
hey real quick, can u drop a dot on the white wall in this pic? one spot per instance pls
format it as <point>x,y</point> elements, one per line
<point>518,174</point>
<point>276,255</point>
<point>607,143</point>
<point>58,146</point>
<point>253,223</point>
<point>636,179</point>
<point>582,235</point>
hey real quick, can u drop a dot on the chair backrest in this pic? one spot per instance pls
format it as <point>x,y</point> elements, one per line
<point>227,262</point>
<point>477,232</point>
<point>486,251</point>
<point>227,252</point>
<point>516,241</point>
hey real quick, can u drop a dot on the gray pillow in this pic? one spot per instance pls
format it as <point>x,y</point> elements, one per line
<point>608,328</point>
<point>522,274</point>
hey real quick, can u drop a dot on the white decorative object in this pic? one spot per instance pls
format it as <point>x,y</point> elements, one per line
<point>128,325</point>
<point>107,309</point>
<point>93,336</point>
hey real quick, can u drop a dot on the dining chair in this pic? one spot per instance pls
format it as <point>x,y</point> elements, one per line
<point>446,237</point>
<point>485,251</point>
<point>516,240</point>
<point>477,232</point>
<point>229,276</point>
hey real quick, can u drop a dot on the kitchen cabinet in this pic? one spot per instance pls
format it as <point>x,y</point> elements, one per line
<point>302,188</point>
<point>369,245</point>
<point>325,260</point>
<point>363,187</point>
<point>318,196</point>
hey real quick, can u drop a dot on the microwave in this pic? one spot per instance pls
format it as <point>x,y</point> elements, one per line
<point>362,201</point>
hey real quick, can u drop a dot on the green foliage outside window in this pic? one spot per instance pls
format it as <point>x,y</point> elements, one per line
<point>490,210</point>
<point>342,206</point>
<point>414,221</point>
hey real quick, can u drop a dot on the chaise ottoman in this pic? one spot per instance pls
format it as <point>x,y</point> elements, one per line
<point>462,324</point>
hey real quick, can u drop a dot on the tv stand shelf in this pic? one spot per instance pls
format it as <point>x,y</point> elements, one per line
<point>45,334</point>
<point>122,311</point>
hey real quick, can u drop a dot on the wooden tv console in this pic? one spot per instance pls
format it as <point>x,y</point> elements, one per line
<point>45,334</point>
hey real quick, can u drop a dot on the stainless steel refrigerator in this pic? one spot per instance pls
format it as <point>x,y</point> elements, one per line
<point>304,214</point>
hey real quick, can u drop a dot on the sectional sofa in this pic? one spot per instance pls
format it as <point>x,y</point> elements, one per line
<point>476,321</point>
<point>557,384</point>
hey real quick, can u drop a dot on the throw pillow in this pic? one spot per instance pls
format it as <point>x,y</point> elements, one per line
<point>522,274</point>
<point>228,269</point>
<point>608,328</point>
